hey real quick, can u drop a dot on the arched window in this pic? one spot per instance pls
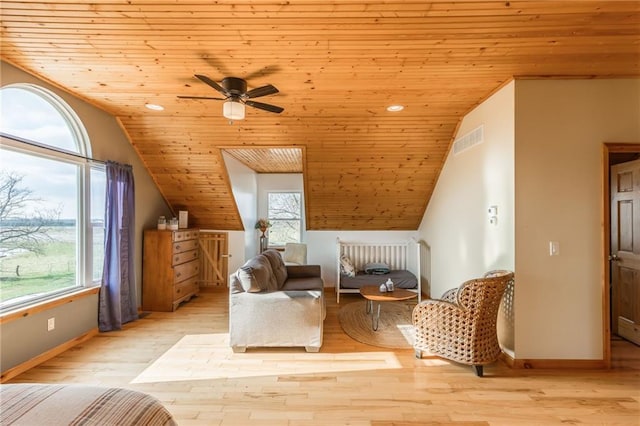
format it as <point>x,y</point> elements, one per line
<point>51,199</point>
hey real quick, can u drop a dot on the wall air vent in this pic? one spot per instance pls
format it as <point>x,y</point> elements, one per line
<point>465,142</point>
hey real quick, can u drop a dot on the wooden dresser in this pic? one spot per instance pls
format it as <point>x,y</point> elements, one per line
<point>170,268</point>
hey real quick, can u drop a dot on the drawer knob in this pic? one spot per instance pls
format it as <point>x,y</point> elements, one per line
<point>178,247</point>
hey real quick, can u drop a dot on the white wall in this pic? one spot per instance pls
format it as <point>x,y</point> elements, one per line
<point>541,163</point>
<point>244,185</point>
<point>462,244</point>
<point>560,128</point>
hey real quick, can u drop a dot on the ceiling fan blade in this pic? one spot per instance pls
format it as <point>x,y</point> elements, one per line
<point>201,97</point>
<point>212,83</point>
<point>266,107</point>
<point>262,91</point>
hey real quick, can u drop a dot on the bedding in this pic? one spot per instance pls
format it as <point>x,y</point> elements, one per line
<point>401,279</point>
<point>56,404</point>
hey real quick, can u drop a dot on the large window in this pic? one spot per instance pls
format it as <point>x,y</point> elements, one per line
<point>285,214</point>
<point>51,199</point>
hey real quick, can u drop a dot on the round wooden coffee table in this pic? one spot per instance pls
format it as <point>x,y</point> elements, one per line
<point>373,294</point>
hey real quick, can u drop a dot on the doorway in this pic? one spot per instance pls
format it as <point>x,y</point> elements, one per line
<point>621,292</point>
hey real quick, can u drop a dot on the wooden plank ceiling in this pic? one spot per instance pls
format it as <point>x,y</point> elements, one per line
<point>269,160</point>
<point>338,65</point>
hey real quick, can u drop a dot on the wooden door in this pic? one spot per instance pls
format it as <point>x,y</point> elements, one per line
<point>214,258</point>
<point>625,250</point>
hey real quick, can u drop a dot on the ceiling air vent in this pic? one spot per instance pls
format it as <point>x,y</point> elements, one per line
<point>465,142</point>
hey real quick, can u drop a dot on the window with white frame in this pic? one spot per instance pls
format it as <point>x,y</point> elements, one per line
<point>284,211</point>
<point>52,199</point>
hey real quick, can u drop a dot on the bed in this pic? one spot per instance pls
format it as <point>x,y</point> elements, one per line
<point>398,261</point>
<point>62,404</point>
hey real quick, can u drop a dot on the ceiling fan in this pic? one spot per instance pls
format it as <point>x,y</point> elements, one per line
<point>236,96</point>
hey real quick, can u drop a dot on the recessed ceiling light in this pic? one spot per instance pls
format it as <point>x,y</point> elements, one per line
<point>155,107</point>
<point>395,108</point>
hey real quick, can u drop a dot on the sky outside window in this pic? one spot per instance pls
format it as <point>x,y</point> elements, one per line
<point>29,116</point>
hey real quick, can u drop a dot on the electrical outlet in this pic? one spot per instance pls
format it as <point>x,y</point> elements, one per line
<point>51,324</point>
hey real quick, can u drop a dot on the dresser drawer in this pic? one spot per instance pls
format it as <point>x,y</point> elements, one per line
<point>185,288</point>
<point>186,270</point>
<point>186,245</point>
<point>189,234</point>
<point>186,256</point>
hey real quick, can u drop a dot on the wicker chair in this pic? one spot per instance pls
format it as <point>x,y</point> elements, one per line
<point>461,326</point>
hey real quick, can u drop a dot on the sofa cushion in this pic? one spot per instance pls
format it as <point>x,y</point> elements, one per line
<point>256,275</point>
<point>277,265</point>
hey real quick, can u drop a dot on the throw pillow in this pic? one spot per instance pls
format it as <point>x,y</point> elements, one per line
<point>346,266</point>
<point>376,268</point>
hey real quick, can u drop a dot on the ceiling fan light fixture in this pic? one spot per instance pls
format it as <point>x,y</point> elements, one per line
<point>233,110</point>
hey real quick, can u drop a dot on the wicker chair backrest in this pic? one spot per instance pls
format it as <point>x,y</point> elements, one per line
<point>482,296</point>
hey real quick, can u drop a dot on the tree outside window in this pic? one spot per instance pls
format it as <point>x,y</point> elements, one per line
<point>285,215</point>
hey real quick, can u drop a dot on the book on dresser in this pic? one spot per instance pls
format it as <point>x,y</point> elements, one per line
<point>170,268</point>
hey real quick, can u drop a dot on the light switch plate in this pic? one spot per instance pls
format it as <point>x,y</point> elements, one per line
<point>554,248</point>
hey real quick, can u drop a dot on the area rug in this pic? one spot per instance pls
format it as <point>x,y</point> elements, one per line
<point>395,329</point>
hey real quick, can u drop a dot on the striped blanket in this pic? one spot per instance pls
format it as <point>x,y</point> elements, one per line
<point>51,404</point>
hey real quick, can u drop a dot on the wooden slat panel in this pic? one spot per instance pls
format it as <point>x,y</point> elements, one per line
<point>337,64</point>
<point>213,263</point>
<point>269,160</point>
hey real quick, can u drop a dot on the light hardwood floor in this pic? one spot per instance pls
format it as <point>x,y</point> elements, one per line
<point>183,359</point>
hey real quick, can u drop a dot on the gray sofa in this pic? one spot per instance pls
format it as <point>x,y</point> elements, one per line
<point>273,305</point>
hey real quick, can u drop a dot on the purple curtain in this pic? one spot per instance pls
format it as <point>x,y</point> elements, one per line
<point>118,291</point>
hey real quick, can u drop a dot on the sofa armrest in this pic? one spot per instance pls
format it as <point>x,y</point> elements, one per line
<point>303,271</point>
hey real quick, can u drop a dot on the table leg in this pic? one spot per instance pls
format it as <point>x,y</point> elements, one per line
<point>368,306</point>
<point>375,319</point>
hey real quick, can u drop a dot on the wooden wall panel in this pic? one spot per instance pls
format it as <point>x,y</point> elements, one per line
<point>337,64</point>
